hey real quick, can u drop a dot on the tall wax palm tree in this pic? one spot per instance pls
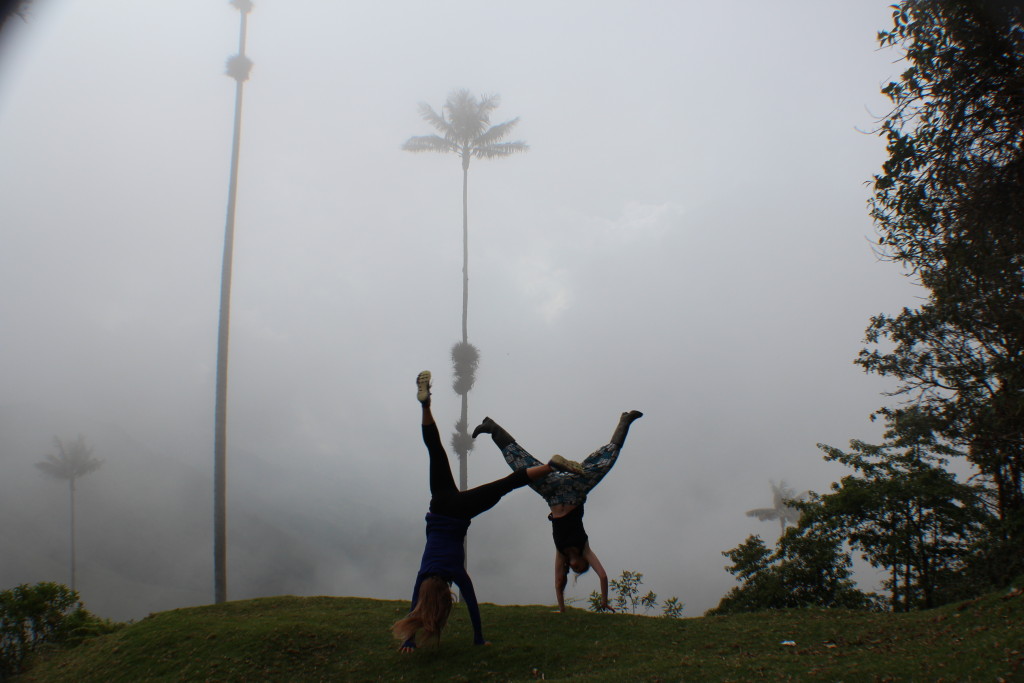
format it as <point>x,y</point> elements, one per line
<point>71,462</point>
<point>780,510</point>
<point>238,68</point>
<point>465,129</point>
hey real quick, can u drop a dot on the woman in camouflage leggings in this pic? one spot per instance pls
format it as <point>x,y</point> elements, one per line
<point>565,493</point>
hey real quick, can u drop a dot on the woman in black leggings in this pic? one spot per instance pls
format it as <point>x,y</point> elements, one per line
<point>444,557</point>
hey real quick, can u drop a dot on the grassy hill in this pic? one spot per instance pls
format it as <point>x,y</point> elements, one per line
<point>347,639</point>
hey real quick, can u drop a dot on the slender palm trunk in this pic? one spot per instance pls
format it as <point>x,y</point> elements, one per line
<point>464,421</point>
<point>465,251</point>
<point>221,400</point>
<point>71,485</point>
<point>464,456</point>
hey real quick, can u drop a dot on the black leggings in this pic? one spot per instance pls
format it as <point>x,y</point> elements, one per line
<point>446,498</point>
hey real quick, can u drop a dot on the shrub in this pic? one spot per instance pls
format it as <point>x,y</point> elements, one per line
<point>626,596</point>
<point>41,613</point>
<point>804,570</point>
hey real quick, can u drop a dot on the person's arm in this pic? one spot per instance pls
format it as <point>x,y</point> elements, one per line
<point>465,585</point>
<point>410,644</point>
<point>602,575</point>
<point>561,579</point>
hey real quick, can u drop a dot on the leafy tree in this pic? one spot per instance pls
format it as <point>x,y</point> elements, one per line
<point>465,129</point>
<point>948,205</point>
<point>806,569</point>
<point>71,462</point>
<point>781,508</point>
<point>626,596</point>
<point>31,615</point>
<point>904,511</point>
<point>900,508</point>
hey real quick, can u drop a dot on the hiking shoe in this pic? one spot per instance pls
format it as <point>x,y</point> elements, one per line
<point>561,464</point>
<point>423,386</point>
<point>485,427</point>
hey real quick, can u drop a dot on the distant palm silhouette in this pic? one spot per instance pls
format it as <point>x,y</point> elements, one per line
<point>71,462</point>
<point>465,129</point>
<point>786,514</point>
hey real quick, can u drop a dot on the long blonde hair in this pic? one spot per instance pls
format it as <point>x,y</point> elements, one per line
<point>433,605</point>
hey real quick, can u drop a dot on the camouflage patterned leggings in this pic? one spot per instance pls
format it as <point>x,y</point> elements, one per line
<point>564,488</point>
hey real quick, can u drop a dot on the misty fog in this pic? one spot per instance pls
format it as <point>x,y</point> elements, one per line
<point>688,236</point>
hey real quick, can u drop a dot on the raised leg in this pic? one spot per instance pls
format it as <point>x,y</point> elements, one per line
<point>601,461</point>
<point>441,480</point>
<point>619,435</point>
<point>517,458</point>
<point>500,437</point>
<point>468,504</point>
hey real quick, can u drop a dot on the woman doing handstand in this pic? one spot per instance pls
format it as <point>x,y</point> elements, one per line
<point>444,557</point>
<point>565,492</point>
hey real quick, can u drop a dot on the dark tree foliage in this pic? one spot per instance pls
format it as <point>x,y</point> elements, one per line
<point>806,569</point>
<point>949,207</point>
<point>905,512</point>
<point>31,615</point>
<point>10,8</point>
<point>901,509</point>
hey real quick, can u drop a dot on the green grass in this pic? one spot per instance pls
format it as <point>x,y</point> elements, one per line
<point>348,639</point>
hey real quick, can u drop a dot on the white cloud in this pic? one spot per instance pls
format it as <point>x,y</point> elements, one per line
<point>558,261</point>
<point>546,286</point>
<point>640,221</point>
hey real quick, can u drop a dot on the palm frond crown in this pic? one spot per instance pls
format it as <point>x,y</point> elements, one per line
<point>72,460</point>
<point>781,509</point>
<point>763,514</point>
<point>464,128</point>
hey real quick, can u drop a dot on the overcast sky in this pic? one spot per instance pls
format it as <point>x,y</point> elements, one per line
<point>688,236</point>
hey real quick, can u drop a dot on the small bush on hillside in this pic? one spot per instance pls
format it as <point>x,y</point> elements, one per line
<point>672,608</point>
<point>625,592</point>
<point>31,615</point>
